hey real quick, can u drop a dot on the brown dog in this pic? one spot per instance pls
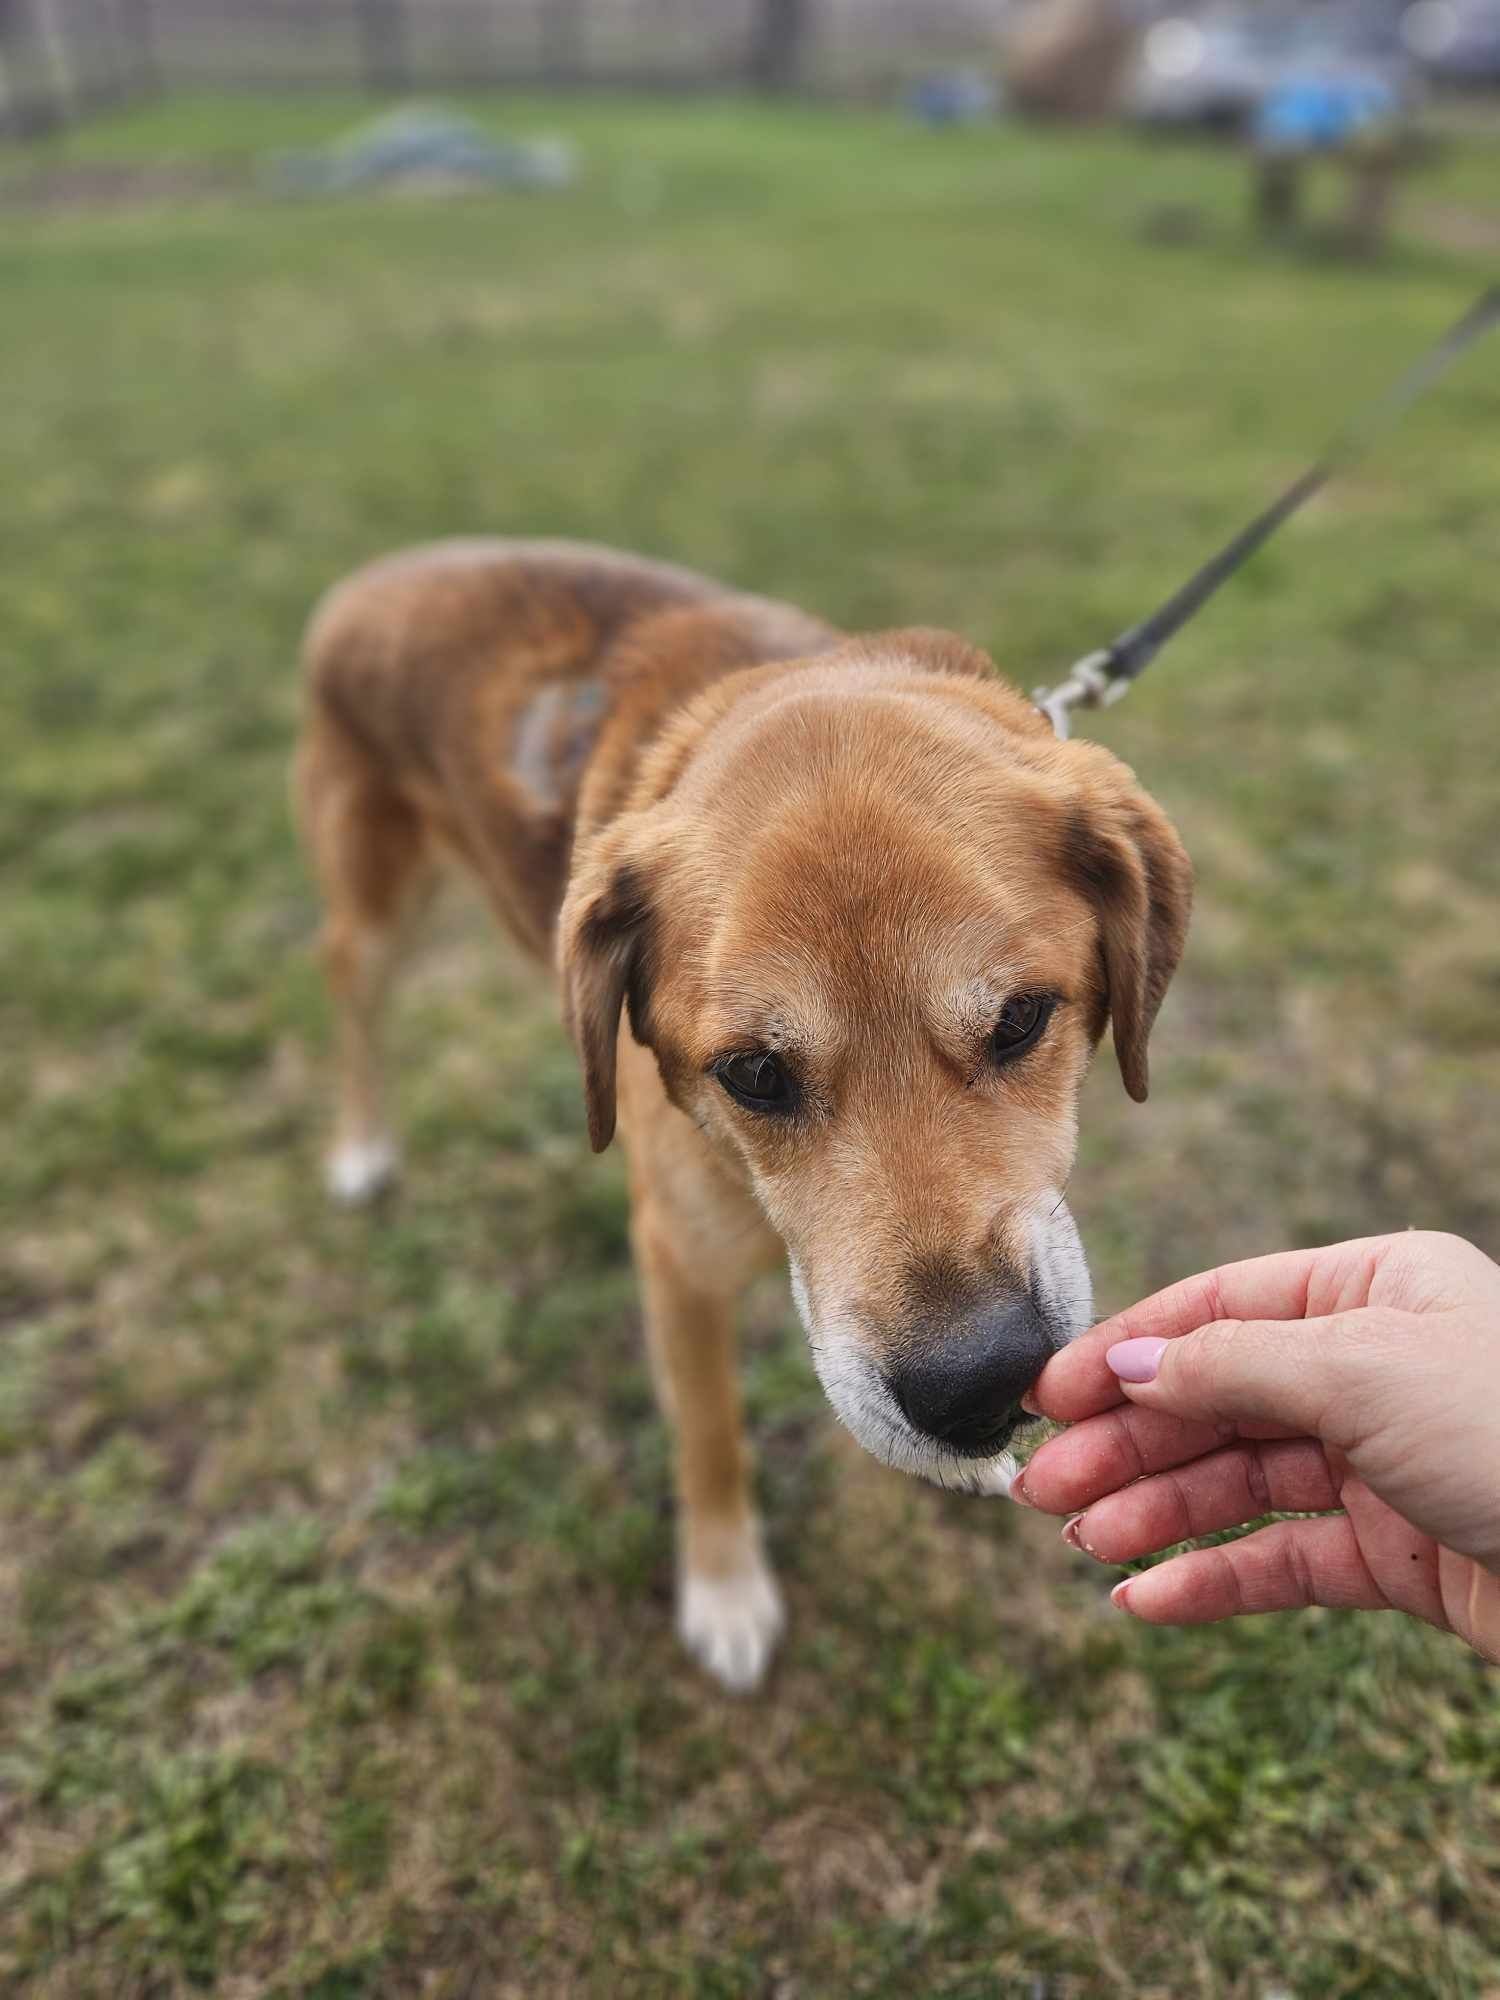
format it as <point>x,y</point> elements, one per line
<point>866,918</point>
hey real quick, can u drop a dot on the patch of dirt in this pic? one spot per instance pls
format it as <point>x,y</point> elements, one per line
<point>113,184</point>
<point>1454,227</point>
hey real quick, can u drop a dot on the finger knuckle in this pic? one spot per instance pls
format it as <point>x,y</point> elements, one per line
<point>1131,1461</point>
<point>1177,1506</point>
<point>1200,1357</point>
<point>1231,1582</point>
<point>1257,1485</point>
<point>1294,1557</point>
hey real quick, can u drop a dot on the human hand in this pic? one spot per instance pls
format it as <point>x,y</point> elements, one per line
<point>1365,1377</point>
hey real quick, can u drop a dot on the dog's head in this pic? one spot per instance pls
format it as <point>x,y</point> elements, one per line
<point>872,919</point>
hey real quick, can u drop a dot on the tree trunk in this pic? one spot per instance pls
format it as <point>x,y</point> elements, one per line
<point>780,43</point>
<point>562,40</point>
<point>382,34</point>
<point>140,32</point>
<point>59,59</point>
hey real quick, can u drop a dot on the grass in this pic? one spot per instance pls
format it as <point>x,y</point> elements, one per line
<point>335,1650</point>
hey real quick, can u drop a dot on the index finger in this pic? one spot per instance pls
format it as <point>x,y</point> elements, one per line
<point>1289,1284</point>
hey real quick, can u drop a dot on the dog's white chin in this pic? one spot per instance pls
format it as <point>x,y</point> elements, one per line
<point>864,1404</point>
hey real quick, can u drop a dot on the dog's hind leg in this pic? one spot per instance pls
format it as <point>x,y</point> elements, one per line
<point>375,864</point>
<point>729,1612</point>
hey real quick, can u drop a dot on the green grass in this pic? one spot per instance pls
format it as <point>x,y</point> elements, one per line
<point>335,1649</point>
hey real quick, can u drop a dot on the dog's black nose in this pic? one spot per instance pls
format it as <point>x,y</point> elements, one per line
<point>964,1388</point>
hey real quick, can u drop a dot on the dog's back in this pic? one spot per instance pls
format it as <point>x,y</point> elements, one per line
<point>459,690</point>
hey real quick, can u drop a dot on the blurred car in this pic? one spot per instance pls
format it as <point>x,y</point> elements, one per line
<point>1219,69</point>
<point>1455,41</point>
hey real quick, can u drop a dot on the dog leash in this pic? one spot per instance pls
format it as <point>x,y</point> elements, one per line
<point>1102,677</point>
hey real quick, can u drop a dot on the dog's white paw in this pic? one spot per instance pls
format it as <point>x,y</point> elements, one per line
<point>730,1624</point>
<point>358,1172</point>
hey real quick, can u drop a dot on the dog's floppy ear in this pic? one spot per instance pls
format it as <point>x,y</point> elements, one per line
<point>1123,853</point>
<point>604,952</point>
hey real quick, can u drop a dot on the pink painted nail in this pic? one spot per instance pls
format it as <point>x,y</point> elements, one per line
<point>1136,1360</point>
<point>1119,1596</point>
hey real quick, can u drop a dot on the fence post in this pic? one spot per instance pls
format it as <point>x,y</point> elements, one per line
<point>140,33</point>
<point>779,44</point>
<point>562,40</point>
<point>105,77</point>
<point>382,34</point>
<point>50,38</point>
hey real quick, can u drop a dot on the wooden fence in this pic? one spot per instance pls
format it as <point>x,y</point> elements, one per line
<point>61,58</point>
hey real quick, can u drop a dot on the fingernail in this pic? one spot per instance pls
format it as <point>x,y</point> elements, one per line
<point>1018,1491</point>
<point>1070,1533</point>
<point>1136,1360</point>
<point>1030,1405</point>
<point>1119,1597</point>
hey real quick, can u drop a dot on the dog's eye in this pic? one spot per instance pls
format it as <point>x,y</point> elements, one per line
<point>1022,1019</point>
<point>757,1081</point>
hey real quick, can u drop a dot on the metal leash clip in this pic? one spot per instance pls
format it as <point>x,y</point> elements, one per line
<point>1102,677</point>
<point>1092,682</point>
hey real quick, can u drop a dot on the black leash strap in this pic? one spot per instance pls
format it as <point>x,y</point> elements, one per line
<point>1102,677</point>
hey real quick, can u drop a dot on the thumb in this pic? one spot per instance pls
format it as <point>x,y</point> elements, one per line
<point>1310,1376</point>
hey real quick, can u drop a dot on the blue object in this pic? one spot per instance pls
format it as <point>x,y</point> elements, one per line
<point>419,146</point>
<point>1306,114</point>
<point>953,97</point>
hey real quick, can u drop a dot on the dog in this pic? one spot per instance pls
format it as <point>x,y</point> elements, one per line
<point>838,924</point>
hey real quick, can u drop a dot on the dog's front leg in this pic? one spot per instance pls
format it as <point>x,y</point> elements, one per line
<point>729,1610</point>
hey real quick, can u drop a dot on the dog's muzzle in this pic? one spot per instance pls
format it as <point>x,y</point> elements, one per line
<point>946,1410</point>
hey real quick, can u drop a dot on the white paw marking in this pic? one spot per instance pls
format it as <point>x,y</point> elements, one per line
<point>357,1173</point>
<point>730,1624</point>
